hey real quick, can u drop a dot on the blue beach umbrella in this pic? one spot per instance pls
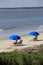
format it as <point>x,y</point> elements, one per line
<point>14,37</point>
<point>33,33</point>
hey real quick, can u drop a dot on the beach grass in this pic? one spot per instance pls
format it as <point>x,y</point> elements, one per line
<point>12,58</point>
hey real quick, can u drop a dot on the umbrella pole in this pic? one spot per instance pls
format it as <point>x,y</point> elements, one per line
<point>36,37</point>
<point>16,41</point>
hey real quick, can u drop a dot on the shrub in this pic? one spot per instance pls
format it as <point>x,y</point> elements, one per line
<point>13,58</point>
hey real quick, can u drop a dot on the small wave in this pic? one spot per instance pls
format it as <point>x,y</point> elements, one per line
<point>40,28</point>
<point>7,28</point>
<point>1,30</point>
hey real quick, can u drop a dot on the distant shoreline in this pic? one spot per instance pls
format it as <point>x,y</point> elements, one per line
<point>23,8</point>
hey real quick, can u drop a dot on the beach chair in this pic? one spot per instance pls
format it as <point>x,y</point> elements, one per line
<point>35,39</point>
<point>15,43</point>
<point>19,43</point>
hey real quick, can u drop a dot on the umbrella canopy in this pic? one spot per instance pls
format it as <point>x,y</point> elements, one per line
<point>14,37</point>
<point>33,33</point>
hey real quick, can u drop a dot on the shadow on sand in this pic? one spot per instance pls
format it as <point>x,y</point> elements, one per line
<point>39,40</point>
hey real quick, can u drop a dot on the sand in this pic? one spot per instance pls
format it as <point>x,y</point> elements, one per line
<point>7,45</point>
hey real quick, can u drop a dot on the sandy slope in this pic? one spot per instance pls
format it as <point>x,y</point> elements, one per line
<point>7,45</point>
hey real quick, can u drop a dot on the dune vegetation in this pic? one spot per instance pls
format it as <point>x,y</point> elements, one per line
<point>14,58</point>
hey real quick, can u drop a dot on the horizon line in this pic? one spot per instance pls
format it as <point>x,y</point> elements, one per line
<point>21,7</point>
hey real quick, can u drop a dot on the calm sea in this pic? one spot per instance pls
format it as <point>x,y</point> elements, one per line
<point>20,21</point>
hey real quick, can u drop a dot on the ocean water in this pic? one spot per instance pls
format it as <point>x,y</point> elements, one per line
<point>20,21</point>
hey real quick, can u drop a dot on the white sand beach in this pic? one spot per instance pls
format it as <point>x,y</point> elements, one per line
<point>7,45</point>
